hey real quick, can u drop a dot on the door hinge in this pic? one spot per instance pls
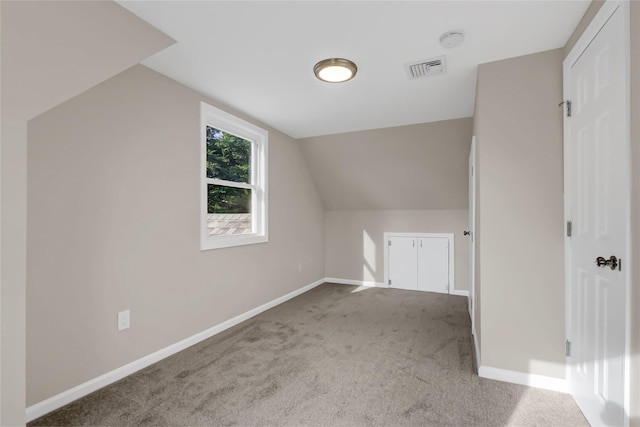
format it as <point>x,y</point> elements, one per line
<point>389,282</point>
<point>569,227</point>
<point>389,242</point>
<point>568,348</point>
<point>567,103</point>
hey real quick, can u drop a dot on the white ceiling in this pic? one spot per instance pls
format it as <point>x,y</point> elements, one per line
<point>258,56</point>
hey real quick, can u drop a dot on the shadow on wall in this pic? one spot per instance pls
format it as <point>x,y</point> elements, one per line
<point>611,413</point>
<point>369,258</point>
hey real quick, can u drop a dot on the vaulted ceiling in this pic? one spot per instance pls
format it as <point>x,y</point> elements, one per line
<point>416,167</point>
<point>258,56</point>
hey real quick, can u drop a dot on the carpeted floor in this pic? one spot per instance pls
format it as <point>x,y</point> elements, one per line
<point>336,355</point>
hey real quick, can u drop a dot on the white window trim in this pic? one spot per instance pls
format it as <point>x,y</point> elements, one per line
<point>229,123</point>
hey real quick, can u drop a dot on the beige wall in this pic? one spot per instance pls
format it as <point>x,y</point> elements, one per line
<point>354,240</point>
<point>43,64</point>
<point>519,153</point>
<point>634,300</point>
<point>634,304</point>
<point>113,215</point>
<point>417,167</point>
<point>402,179</point>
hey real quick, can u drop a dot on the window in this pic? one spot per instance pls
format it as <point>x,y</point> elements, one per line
<point>234,180</point>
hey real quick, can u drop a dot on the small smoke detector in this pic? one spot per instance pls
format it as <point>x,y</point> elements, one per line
<point>452,39</point>
<point>426,68</point>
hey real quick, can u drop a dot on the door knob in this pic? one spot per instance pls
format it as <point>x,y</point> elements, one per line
<point>612,262</point>
<point>467,233</point>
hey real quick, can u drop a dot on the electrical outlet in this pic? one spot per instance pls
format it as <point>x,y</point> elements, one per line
<point>124,320</point>
<point>299,267</point>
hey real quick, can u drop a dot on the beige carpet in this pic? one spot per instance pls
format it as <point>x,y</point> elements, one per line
<point>337,355</point>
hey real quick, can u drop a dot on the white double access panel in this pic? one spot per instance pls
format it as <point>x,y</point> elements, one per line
<point>418,262</point>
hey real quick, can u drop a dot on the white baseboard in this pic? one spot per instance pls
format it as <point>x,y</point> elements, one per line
<point>59,400</point>
<point>354,282</point>
<point>532,380</point>
<point>459,293</point>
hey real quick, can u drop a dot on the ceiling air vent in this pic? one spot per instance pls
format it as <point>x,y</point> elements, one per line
<point>426,68</point>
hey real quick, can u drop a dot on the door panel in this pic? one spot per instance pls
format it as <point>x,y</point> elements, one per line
<point>403,263</point>
<point>433,264</point>
<point>598,207</point>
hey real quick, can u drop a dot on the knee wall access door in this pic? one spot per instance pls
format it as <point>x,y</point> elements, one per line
<point>418,261</point>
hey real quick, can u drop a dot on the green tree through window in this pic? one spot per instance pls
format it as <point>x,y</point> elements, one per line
<point>228,159</point>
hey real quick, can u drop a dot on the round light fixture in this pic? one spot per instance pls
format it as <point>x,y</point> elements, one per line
<point>452,39</point>
<point>335,70</point>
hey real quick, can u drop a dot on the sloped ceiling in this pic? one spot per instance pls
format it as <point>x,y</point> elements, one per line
<point>416,167</point>
<point>54,50</point>
<point>51,51</point>
<point>258,57</point>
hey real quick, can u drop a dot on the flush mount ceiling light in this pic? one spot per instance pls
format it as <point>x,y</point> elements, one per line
<point>335,70</point>
<point>452,39</point>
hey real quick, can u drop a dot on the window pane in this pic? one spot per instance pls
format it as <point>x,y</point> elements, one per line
<point>228,156</point>
<point>228,210</point>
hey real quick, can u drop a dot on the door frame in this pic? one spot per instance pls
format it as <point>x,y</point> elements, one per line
<point>449,236</point>
<point>592,30</point>
<point>472,230</point>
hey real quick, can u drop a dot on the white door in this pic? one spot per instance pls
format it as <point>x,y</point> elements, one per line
<point>433,264</point>
<point>472,225</point>
<point>596,157</point>
<point>403,263</point>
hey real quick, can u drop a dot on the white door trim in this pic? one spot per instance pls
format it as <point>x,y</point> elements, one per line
<point>472,230</point>
<point>450,236</point>
<point>604,14</point>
